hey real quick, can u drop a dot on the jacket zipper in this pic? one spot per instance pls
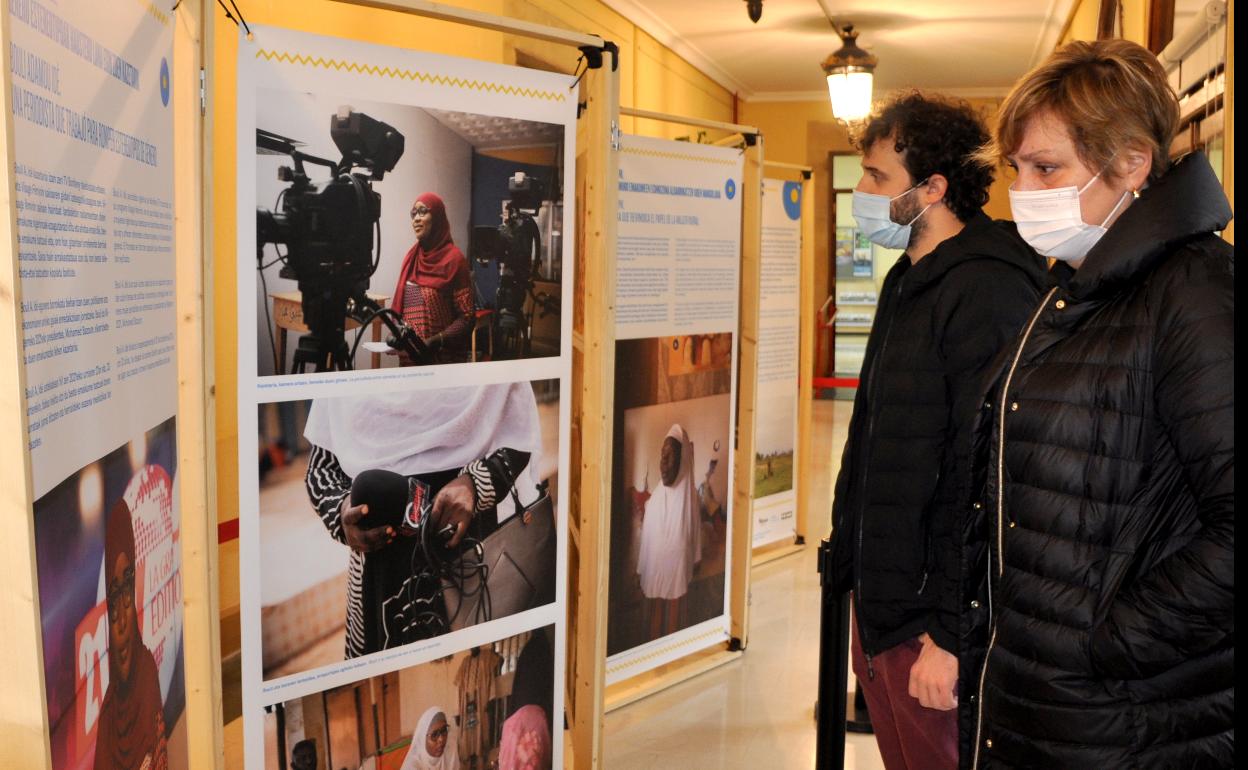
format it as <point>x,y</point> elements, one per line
<point>992,620</point>
<point>875,362</point>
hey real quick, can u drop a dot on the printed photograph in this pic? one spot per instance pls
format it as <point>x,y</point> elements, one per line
<point>110,593</point>
<point>670,505</point>
<point>387,519</point>
<point>484,708</point>
<point>775,431</point>
<point>393,235</point>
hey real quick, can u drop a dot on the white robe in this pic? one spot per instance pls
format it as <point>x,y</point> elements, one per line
<point>671,532</point>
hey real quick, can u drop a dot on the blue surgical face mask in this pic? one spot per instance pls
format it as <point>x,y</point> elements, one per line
<point>874,216</point>
<point>1051,221</point>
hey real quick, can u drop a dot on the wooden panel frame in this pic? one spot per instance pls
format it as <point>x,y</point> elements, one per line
<point>201,638</point>
<point>637,687</point>
<point>24,729</point>
<point>593,385</point>
<point>747,395</point>
<point>24,739</point>
<point>805,368</point>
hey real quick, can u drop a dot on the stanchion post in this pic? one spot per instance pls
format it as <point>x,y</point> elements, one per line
<point>833,690</point>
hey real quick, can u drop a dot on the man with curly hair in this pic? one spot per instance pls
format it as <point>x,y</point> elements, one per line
<point>962,288</point>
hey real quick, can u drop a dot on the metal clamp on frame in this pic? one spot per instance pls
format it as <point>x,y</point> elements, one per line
<point>593,55</point>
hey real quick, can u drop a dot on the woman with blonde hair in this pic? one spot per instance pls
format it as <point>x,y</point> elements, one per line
<point>1105,593</point>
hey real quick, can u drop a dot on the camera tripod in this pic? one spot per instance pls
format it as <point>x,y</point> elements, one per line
<point>325,346</point>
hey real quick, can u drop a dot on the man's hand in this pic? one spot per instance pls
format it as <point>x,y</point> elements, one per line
<point>934,677</point>
<point>360,538</point>
<point>455,506</point>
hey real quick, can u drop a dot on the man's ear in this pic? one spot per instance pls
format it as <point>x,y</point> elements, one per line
<point>935,189</point>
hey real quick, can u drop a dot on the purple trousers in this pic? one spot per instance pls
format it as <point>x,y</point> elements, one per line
<point>910,736</point>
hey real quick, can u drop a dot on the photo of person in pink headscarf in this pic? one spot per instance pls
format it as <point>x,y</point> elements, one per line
<point>434,292</point>
<point>526,741</point>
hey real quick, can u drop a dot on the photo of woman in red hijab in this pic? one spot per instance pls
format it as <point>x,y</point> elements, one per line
<point>434,291</point>
<point>131,730</point>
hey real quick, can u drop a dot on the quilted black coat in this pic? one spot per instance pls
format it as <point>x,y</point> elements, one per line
<point>938,327</point>
<point>1110,501</point>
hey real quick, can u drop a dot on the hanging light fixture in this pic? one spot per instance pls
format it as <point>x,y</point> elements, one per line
<point>851,74</point>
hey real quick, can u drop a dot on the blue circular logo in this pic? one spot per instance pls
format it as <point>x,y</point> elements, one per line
<point>164,82</point>
<point>730,189</point>
<point>792,194</point>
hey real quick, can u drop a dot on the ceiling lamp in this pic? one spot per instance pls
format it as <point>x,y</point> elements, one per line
<point>755,9</point>
<point>851,72</point>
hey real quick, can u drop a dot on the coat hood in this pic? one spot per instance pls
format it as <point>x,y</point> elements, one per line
<point>981,238</point>
<point>1187,201</point>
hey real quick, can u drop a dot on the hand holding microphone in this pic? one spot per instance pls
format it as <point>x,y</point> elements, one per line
<point>384,504</point>
<point>454,507</point>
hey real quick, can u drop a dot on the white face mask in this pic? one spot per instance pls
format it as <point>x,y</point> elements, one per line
<point>874,216</point>
<point>1051,221</point>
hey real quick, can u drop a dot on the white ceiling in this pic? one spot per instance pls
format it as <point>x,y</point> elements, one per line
<point>486,132</point>
<point>973,47</point>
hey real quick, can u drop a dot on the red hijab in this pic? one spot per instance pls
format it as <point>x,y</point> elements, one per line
<point>129,728</point>
<point>435,261</point>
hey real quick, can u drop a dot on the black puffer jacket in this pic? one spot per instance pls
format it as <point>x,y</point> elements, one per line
<point>1111,543</point>
<point>938,326</point>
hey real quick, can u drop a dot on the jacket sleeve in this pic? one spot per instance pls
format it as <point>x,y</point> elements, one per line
<point>984,305</point>
<point>1184,605</point>
<point>328,485</point>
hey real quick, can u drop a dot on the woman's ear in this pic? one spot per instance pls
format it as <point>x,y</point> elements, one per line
<point>1134,165</point>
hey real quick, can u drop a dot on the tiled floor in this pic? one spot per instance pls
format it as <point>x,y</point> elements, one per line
<point>756,712</point>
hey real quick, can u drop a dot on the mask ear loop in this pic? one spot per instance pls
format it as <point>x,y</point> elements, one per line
<point>907,192</point>
<point>1118,205</point>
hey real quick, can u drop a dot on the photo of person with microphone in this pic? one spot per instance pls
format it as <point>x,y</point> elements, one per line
<point>402,477</point>
<point>402,516</point>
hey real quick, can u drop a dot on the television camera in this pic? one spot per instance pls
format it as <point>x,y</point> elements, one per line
<point>332,237</point>
<point>516,247</point>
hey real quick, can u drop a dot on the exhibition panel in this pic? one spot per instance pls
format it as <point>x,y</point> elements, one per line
<point>678,267</point>
<point>418,506</point>
<point>93,139</point>
<point>776,425</point>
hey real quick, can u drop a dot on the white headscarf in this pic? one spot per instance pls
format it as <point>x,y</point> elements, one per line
<point>418,757</point>
<point>671,530</point>
<point>424,431</point>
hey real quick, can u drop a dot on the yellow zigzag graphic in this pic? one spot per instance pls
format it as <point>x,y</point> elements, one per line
<point>155,12</point>
<point>664,650</point>
<point>406,74</point>
<point>677,156</point>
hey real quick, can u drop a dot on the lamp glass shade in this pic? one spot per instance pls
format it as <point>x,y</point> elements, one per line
<point>850,92</point>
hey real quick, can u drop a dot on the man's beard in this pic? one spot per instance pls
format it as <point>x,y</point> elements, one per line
<point>904,211</point>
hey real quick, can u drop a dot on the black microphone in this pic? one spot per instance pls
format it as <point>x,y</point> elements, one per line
<point>386,494</point>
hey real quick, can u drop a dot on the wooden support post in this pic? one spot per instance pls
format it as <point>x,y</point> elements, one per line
<point>197,482</point>
<point>593,385</point>
<point>741,546</point>
<point>806,448</point>
<point>23,707</point>
<point>1228,157</point>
